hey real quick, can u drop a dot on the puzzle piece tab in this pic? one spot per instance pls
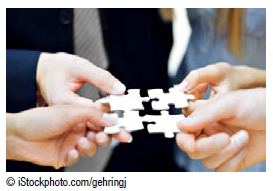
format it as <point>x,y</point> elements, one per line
<point>164,123</point>
<point>130,101</point>
<point>176,97</point>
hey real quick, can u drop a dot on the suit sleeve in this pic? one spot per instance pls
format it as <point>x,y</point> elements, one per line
<point>21,68</point>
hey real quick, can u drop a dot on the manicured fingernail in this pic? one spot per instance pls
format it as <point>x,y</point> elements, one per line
<point>102,138</point>
<point>219,142</point>
<point>241,138</point>
<point>184,85</point>
<point>91,135</point>
<point>118,88</point>
<point>110,118</point>
<point>73,154</point>
<point>85,144</point>
<point>126,136</point>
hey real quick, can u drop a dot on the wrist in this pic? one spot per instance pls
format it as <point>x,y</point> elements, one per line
<point>16,145</point>
<point>41,71</point>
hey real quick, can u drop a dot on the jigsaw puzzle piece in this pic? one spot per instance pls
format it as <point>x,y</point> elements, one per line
<point>130,122</point>
<point>130,101</point>
<point>176,97</point>
<point>164,123</point>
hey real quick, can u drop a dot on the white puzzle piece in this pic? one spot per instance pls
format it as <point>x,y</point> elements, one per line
<point>131,121</point>
<point>164,123</point>
<point>130,101</point>
<point>176,97</point>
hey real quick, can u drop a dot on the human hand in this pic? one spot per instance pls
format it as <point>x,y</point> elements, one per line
<point>60,75</point>
<point>233,134</point>
<point>53,136</point>
<point>222,78</point>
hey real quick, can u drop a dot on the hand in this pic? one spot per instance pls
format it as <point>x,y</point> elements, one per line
<point>233,133</point>
<point>53,136</point>
<point>222,78</point>
<point>60,75</point>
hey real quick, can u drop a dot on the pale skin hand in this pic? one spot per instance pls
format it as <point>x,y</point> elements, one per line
<point>222,78</point>
<point>60,75</point>
<point>52,136</point>
<point>233,133</point>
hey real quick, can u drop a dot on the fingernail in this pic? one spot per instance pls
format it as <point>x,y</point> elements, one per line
<point>241,138</point>
<point>219,142</point>
<point>102,138</point>
<point>85,144</point>
<point>126,135</point>
<point>110,118</point>
<point>118,88</point>
<point>91,135</point>
<point>130,139</point>
<point>73,154</point>
<point>184,85</point>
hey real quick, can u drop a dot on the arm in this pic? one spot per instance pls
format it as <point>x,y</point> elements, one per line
<point>222,78</point>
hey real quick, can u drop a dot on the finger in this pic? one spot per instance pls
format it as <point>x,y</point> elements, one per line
<point>102,139</point>
<point>74,99</point>
<point>79,127</point>
<point>123,136</point>
<point>232,165</point>
<point>214,110</point>
<point>199,91</point>
<point>85,147</point>
<point>91,114</point>
<point>91,136</point>
<point>207,146</point>
<point>192,106</point>
<point>212,74</point>
<point>93,127</point>
<point>72,157</point>
<point>102,106</point>
<point>237,143</point>
<point>186,142</point>
<point>100,78</point>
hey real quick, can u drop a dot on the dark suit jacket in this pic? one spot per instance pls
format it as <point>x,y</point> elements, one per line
<point>30,31</point>
<point>137,42</point>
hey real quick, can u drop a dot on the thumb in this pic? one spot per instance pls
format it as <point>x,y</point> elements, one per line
<point>100,78</point>
<point>212,74</point>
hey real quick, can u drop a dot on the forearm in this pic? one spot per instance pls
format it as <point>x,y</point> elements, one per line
<point>17,148</point>
<point>10,136</point>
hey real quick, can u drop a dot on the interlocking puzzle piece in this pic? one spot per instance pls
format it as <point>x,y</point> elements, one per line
<point>164,123</point>
<point>130,101</point>
<point>131,121</point>
<point>176,97</point>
